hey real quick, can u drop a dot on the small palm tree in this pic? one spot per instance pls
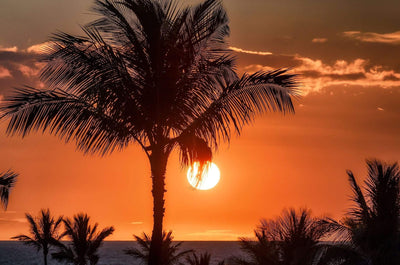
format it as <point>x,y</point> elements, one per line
<point>259,252</point>
<point>370,233</point>
<point>152,73</point>
<point>85,241</point>
<point>170,252</point>
<point>7,181</point>
<point>43,232</point>
<point>291,239</point>
<point>202,259</point>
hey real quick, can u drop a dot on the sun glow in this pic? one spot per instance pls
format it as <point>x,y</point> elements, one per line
<point>205,180</point>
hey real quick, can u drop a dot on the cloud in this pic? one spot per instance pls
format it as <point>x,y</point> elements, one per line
<point>38,48</point>
<point>30,71</point>
<point>8,49</point>
<point>12,220</point>
<point>215,234</point>
<point>314,74</point>
<point>19,67</point>
<point>389,38</point>
<point>4,72</point>
<point>249,52</point>
<point>136,223</point>
<point>319,40</point>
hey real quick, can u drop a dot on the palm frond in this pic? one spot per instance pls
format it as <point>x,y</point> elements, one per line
<point>362,211</point>
<point>28,241</point>
<point>345,253</point>
<point>193,149</point>
<point>239,102</point>
<point>64,254</point>
<point>99,238</point>
<point>383,190</point>
<point>7,181</point>
<point>66,116</point>
<point>202,259</point>
<point>171,253</point>
<point>85,240</point>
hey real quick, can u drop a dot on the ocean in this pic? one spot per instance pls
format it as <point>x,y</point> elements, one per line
<point>111,252</point>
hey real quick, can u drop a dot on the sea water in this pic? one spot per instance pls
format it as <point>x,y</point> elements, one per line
<point>112,252</point>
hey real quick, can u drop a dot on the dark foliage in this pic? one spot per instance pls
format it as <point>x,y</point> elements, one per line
<point>85,241</point>
<point>371,230</point>
<point>43,232</point>
<point>291,239</point>
<point>171,254</point>
<point>7,181</point>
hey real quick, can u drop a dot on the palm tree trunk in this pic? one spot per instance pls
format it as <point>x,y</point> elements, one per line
<point>45,257</point>
<point>158,163</point>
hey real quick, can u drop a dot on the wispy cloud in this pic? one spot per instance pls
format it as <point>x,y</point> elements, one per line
<point>390,38</point>
<point>136,223</point>
<point>8,49</point>
<point>215,234</point>
<point>319,40</point>
<point>249,52</point>
<point>13,220</point>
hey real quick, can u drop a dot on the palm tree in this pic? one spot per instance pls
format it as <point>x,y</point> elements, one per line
<point>85,241</point>
<point>43,232</point>
<point>371,229</point>
<point>170,252</point>
<point>7,181</point>
<point>152,73</point>
<point>291,239</point>
<point>202,259</point>
<point>259,252</point>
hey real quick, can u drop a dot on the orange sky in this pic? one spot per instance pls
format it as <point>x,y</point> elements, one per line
<point>350,111</point>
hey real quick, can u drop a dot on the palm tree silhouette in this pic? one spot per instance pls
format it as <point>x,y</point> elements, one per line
<point>170,252</point>
<point>43,232</point>
<point>85,241</point>
<point>371,229</point>
<point>151,73</point>
<point>291,239</point>
<point>7,181</point>
<point>202,259</point>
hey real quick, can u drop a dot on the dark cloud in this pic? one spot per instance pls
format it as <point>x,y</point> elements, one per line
<point>391,77</point>
<point>273,60</point>
<point>23,68</point>
<point>341,77</point>
<point>18,57</point>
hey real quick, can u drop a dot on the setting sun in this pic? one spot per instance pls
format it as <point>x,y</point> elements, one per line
<point>216,126</point>
<point>208,179</point>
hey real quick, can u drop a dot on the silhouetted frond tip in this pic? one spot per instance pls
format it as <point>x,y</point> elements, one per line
<point>7,181</point>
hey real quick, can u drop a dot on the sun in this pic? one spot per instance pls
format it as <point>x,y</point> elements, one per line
<point>208,179</point>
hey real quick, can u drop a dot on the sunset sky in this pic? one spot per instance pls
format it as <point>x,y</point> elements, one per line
<point>347,56</point>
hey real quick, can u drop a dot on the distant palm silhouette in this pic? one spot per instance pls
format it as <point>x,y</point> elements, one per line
<point>151,73</point>
<point>171,254</point>
<point>43,232</point>
<point>371,229</point>
<point>85,241</point>
<point>7,181</point>
<point>202,259</point>
<point>291,239</point>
